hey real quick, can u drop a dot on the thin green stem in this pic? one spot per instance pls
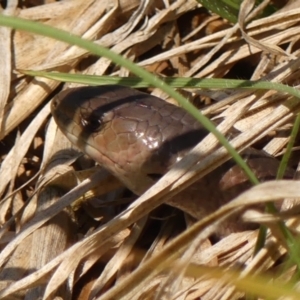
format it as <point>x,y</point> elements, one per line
<point>67,37</point>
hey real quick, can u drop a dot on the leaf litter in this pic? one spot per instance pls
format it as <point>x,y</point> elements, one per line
<point>53,248</point>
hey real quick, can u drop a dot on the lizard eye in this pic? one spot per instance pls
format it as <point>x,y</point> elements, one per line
<point>91,123</point>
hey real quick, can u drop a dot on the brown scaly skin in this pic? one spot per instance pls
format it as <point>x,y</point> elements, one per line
<point>138,137</point>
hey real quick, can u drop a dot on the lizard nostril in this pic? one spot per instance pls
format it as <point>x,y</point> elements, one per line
<point>54,103</point>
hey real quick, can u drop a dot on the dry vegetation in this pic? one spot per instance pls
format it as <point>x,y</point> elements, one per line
<point>53,247</point>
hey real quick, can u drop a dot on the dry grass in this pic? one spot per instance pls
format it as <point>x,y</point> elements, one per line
<point>52,247</point>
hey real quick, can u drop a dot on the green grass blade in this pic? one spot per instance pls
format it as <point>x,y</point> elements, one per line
<point>45,30</point>
<point>288,152</point>
<point>67,37</point>
<point>229,9</point>
<point>175,82</point>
